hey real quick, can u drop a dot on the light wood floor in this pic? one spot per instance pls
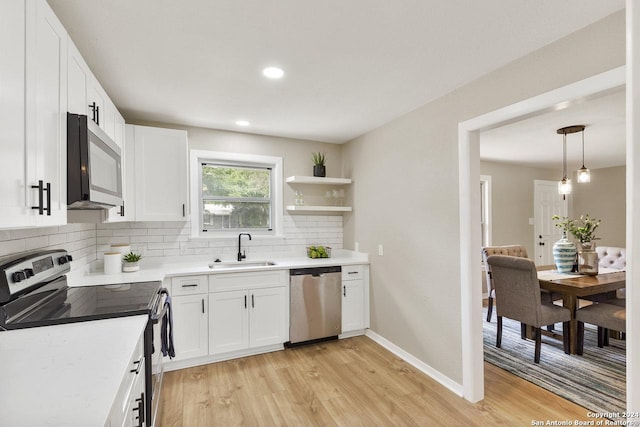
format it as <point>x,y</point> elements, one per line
<point>351,382</point>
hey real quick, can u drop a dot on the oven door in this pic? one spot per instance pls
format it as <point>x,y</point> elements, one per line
<point>155,369</point>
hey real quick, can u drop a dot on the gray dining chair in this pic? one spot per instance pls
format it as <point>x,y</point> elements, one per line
<point>487,251</point>
<point>511,250</point>
<point>517,293</point>
<point>606,317</point>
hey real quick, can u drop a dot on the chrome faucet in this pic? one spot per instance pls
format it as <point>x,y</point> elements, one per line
<point>241,254</point>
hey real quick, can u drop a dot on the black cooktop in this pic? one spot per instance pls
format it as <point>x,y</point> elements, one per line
<point>77,304</point>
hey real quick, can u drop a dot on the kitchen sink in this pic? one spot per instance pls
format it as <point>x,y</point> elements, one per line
<point>240,264</point>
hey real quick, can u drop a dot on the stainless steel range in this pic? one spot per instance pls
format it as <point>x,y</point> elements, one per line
<point>34,293</point>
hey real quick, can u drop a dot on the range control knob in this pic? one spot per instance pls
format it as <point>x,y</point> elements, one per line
<point>64,259</point>
<point>18,276</point>
<point>28,272</point>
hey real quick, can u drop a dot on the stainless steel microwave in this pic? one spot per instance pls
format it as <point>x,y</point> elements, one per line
<point>94,170</point>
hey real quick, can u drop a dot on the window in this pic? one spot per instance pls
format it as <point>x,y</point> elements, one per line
<point>485,209</point>
<point>232,193</point>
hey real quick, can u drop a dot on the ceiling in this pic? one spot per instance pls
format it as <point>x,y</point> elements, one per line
<point>534,142</point>
<point>350,66</point>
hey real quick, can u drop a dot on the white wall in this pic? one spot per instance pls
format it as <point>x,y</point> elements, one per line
<point>405,193</point>
<point>604,198</point>
<point>512,202</point>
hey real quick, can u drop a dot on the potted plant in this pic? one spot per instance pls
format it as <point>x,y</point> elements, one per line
<point>318,164</point>
<point>131,262</point>
<point>583,229</point>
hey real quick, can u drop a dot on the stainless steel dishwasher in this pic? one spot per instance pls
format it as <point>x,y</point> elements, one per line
<point>315,303</point>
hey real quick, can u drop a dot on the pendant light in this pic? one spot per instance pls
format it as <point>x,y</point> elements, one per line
<point>584,174</point>
<point>564,185</point>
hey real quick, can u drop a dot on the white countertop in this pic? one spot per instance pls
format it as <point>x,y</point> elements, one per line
<point>65,375</point>
<point>158,268</point>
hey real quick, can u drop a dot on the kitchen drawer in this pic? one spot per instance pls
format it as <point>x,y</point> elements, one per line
<point>352,272</point>
<point>189,285</point>
<point>135,369</point>
<point>236,281</point>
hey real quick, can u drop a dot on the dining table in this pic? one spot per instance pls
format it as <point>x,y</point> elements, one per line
<point>573,286</point>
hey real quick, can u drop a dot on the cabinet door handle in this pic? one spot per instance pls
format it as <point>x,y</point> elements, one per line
<point>253,303</point>
<point>93,111</point>
<point>40,206</point>
<point>245,301</point>
<point>48,190</point>
<point>344,290</point>
<point>122,209</point>
<point>138,364</point>
<point>183,211</point>
<point>97,115</point>
<point>202,305</point>
<point>140,410</point>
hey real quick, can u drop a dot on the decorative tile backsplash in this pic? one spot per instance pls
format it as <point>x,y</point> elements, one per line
<point>88,242</point>
<point>162,239</point>
<point>78,239</point>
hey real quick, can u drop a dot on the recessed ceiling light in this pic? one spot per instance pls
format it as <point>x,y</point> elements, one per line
<point>273,72</point>
<point>242,123</point>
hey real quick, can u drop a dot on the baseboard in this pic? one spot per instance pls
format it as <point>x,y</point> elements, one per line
<point>417,363</point>
<point>173,365</point>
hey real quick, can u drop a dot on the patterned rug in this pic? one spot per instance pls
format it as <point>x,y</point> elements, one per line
<point>595,380</point>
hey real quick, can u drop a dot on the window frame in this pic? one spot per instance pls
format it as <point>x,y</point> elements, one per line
<point>198,157</point>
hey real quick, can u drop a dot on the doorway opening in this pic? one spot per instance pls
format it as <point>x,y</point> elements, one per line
<point>469,172</point>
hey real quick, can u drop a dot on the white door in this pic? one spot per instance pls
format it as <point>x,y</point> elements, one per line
<point>268,319</point>
<point>228,321</point>
<point>546,203</point>
<point>191,325</point>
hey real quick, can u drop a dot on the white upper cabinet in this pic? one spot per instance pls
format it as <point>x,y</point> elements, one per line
<point>33,106</point>
<point>16,211</point>
<point>161,173</point>
<point>46,116</point>
<point>78,80</point>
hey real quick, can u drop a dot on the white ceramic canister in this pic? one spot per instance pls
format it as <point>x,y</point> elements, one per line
<point>112,262</point>
<point>123,248</point>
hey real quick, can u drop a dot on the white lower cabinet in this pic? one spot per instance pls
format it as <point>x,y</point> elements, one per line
<point>248,310</point>
<point>352,305</point>
<point>355,299</point>
<point>128,409</point>
<point>190,323</point>
<point>247,319</point>
<point>190,303</point>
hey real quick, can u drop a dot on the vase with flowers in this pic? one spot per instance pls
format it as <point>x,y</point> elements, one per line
<point>583,230</point>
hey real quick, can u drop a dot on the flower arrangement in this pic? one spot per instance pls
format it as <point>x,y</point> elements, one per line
<point>583,229</point>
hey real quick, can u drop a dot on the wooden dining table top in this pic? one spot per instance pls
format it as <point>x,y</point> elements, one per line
<point>581,285</point>
<point>572,286</point>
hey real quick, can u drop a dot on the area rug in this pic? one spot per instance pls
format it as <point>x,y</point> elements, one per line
<point>595,380</point>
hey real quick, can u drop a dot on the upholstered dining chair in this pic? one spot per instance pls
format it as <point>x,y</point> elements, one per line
<point>517,293</point>
<point>606,317</point>
<point>487,251</point>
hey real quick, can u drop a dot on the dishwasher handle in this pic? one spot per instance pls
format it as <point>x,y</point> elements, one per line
<point>315,271</point>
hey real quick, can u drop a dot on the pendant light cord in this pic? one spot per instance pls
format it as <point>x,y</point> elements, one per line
<point>583,149</point>
<point>564,156</point>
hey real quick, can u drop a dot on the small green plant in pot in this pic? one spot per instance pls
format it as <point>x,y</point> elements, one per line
<point>319,164</point>
<point>583,229</point>
<point>131,262</point>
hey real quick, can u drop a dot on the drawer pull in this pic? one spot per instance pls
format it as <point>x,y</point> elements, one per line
<point>138,364</point>
<point>352,272</point>
<point>190,285</point>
